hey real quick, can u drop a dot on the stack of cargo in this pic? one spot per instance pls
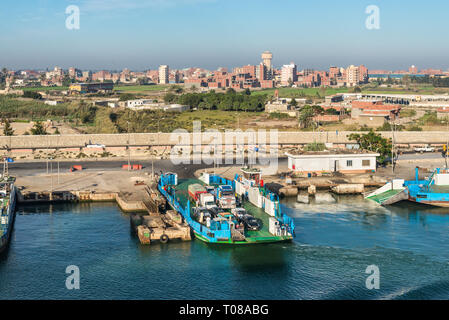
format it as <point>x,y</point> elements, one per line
<point>195,190</point>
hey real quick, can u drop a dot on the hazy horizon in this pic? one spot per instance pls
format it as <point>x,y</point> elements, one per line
<point>143,34</point>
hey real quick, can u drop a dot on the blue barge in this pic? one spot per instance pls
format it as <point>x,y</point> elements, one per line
<point>433,190</point>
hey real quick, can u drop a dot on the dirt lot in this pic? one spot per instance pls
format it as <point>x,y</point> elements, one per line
<point>123,182</point>
<point>21,127</point>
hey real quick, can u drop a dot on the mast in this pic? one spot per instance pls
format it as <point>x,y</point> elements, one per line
<point>5,168</point>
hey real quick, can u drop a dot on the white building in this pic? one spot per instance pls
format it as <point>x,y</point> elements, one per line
<point>138,103</point>
<point>344,161</point>
<point>164,74</point>
<point>53,102</point>
<point>289,74</point>
<point>352,76</point>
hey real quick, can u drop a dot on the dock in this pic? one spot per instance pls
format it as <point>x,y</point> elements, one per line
<point>135,192</point>
<point>159,224</point>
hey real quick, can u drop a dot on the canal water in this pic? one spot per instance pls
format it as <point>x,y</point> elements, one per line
<point>334,244</point>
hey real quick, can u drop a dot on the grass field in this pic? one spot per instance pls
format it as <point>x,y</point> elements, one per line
<point>301,92</point>
<point>141,88</point>
<point>217,119</point>
<point>35,89</point>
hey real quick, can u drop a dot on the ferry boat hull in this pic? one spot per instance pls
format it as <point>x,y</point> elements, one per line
<point>432,191</point>
<point>275,227</point>
<point>10,218</point>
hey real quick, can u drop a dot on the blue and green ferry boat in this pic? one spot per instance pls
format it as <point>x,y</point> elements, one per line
<point>275,226</point>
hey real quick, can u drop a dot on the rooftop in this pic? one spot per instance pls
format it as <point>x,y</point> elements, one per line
<point>331,152</point>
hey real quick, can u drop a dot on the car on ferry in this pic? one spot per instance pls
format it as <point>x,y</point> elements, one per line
<point>217,212</point>
<point>201,213</point>
<point>239,212</point>
<point>251,223</point>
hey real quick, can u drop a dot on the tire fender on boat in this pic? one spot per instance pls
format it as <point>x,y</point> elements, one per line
<point>164,238</point>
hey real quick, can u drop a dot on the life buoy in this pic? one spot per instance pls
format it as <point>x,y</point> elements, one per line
<point>164,238</point>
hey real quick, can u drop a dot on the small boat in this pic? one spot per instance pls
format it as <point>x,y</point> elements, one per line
<point>254,216</point>
<point>433,190</point>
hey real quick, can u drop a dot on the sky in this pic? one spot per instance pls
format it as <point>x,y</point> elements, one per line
<point>143,34</point>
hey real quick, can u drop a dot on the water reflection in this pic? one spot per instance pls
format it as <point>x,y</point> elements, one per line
<point>368,213</point>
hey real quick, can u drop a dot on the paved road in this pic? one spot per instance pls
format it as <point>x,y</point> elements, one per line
<point>30,168</point>
<point>419,156</point>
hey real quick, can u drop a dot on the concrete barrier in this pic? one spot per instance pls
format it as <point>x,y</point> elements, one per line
<point>188,139</point>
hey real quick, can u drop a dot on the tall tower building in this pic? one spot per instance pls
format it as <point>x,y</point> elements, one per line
<point>413,70</point>
<point>164,74</point>
<point>267,58</point>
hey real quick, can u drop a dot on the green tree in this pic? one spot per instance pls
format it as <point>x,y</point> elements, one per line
<point>32,95</point>
<point>66,81</point>
<point>357,89</point>
<point>38,129</point>
<point>7,129</point>
<point>307,114</point>
<point>169,98</point>
<point>375,143</point>
<point>331,111</point>
<point>294,103</point>
<point>127,96</point>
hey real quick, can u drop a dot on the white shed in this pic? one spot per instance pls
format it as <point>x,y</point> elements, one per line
<point>344,161</point>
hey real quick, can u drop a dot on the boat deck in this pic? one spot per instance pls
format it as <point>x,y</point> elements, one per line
<point>262,235</point>
<point>382,197</point>
<point>439,189</point>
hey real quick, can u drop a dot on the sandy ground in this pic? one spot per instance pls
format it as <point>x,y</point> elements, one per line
<point>100,182</point>
<point>21,127</point>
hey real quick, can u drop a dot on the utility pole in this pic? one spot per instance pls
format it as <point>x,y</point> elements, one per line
<point>392,146</point>
<point>129,150</point>
<point>51,178</point>
<point>447,140</point>
<point>48,149</point>
<point>58,173</point>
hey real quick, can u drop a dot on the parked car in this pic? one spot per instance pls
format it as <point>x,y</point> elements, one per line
<point>201,211</point>
<point>251,223</point>
<point>426,148</point>
<point>239,212</point>
<point>216,211</point>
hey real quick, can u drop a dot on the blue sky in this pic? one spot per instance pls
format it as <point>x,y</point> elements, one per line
<point>142,34</point>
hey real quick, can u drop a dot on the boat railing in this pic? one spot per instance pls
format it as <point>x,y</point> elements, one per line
<point>430,181</point>
<point>198,227</point>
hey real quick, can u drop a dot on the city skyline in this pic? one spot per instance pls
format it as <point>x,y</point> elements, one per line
<point>198,33</point>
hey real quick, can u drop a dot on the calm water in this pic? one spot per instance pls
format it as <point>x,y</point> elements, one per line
<point>334,245</point>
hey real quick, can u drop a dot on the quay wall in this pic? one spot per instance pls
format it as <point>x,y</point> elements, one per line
<point>81,196</point>
<point>79,142</point>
